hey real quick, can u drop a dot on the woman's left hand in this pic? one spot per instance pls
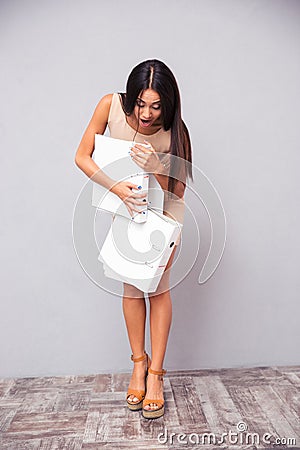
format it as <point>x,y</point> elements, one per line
<point>146,158</point>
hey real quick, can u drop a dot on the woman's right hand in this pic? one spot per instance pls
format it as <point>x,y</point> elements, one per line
<point>123,189</point>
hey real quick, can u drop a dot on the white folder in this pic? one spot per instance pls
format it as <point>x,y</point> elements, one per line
<point>137,253</point>
<point>113,155</point>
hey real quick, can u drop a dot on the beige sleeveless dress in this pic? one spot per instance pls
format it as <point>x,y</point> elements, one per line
<point>120,129</point>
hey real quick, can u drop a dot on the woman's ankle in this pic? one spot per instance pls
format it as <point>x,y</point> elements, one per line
<point>157,367</point>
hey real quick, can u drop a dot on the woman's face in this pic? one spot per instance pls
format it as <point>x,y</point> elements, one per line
<point>147,109</point>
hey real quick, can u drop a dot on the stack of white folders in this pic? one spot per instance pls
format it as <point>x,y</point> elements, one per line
<point>137,253</point>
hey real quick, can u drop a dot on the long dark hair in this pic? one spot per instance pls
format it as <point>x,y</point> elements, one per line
<point>154,74</point>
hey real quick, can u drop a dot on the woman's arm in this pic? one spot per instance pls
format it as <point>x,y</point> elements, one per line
<point>83,157</point>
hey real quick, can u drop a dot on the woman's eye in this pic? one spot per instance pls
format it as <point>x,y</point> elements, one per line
<point>140,104</point>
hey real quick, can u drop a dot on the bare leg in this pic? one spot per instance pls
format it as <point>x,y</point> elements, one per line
<point>134,309</point>
<point>160,323</point>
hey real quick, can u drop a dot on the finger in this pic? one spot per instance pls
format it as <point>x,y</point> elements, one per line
<point>138,156</point>
<point>142,195</point>
<point>138,149</point>
<point>128,209</point>
<point>144,150</point>
<point>134,186</point>
<point>138,202</point>
<point>136,194</point>
<point>137,199</point>
<point>149,146</point>
<point>133,209</point>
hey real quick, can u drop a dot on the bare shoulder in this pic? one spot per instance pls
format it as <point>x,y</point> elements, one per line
<point>105,102</point>
<point>101,112</point>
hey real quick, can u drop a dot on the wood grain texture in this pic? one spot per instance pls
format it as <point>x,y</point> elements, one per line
<point>89,412</point>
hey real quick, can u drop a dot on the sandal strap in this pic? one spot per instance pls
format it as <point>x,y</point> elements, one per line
<point>158,402</point>
<point>157,372</point>
<point>140,358</point>
<point>138,394</point>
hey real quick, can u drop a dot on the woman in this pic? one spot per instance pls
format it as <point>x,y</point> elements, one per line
<point>148,113</point>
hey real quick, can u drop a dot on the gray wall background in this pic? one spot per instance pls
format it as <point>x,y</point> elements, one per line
<point>237,65</point>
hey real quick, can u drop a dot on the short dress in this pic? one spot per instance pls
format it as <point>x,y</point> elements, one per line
<point>120,129</point>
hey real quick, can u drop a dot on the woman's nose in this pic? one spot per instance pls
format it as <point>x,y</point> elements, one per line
<point>147,112</point>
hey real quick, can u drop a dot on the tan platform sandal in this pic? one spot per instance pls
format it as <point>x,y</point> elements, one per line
<point>140,394</point>
<point>158,412</point>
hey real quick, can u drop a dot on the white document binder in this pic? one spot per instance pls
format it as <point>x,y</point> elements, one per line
<point>137,253</point>
<point>113,155</point>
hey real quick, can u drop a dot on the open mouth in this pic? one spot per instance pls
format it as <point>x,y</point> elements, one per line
<point>146,123</point>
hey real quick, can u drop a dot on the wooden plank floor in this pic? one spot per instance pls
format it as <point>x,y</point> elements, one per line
<point>89,412</point>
